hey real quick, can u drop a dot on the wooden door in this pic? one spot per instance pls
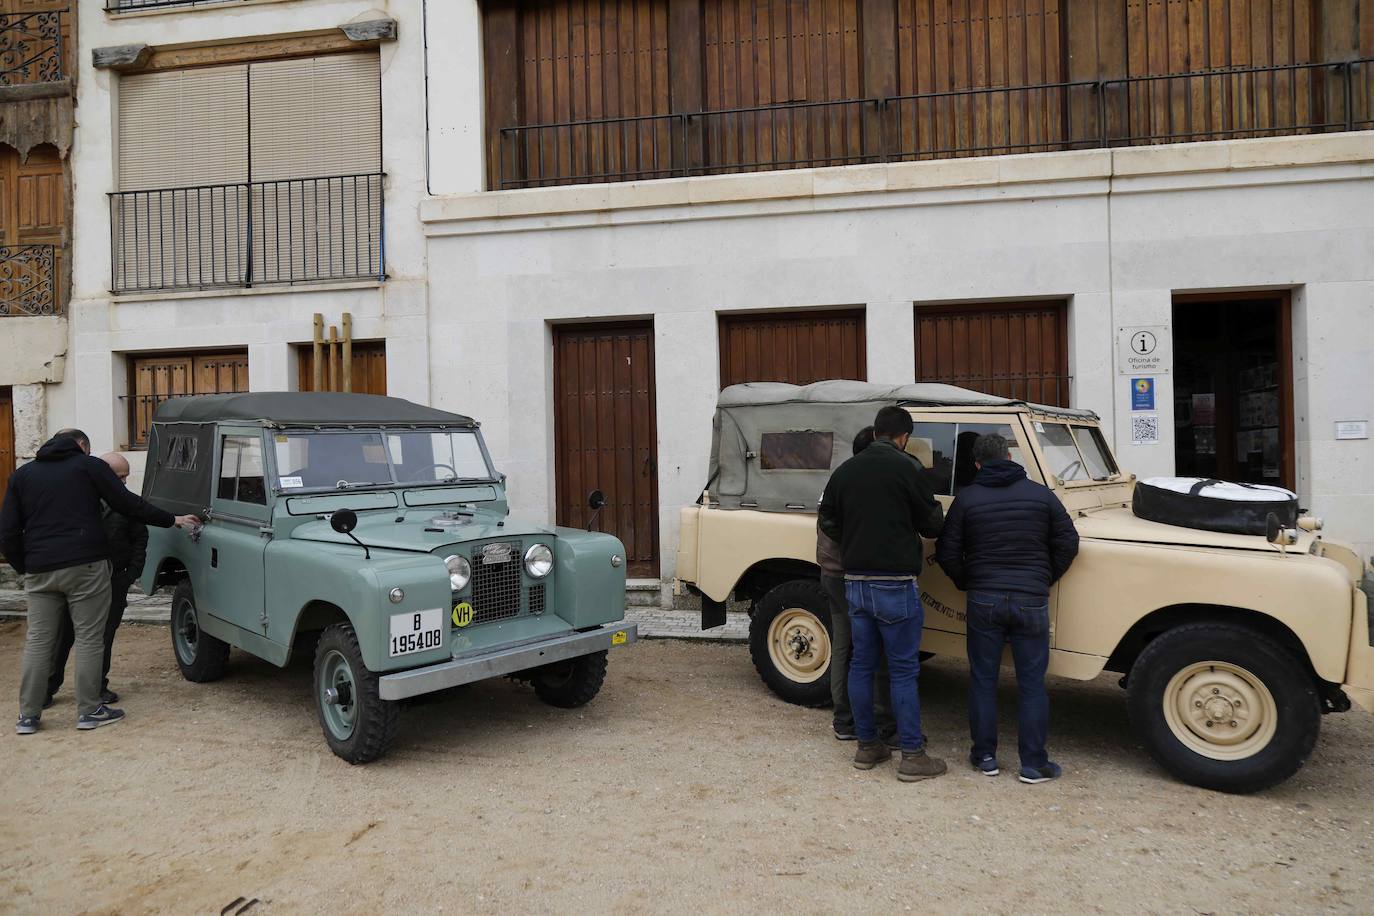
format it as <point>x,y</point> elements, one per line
<point>369,367</point>
<point>33,216</point>
<point>1010,349</point>
<point>154,379</point>
<point>606,435</point>
<point>6,439</point>
<point>795,347</point>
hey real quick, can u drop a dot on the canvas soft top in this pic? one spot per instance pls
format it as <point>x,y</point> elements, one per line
<point>305,408</point>
<point>816,425</point>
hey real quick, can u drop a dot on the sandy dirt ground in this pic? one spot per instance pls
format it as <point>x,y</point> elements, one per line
<point>685,786</point>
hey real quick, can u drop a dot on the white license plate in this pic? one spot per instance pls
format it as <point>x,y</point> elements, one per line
<point>417,631</point>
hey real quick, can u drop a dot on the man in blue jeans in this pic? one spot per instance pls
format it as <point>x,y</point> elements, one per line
<point>876,506</point>
<point>1006,541</point>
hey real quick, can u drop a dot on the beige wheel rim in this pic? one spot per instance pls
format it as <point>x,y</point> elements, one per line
<point>799,645</point>
<point>1220,710</point>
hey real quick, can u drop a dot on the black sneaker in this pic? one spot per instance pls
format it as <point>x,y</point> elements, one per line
<point>48,701</point>
<point>1036,775</point>
<point>845,734</point>
<point>108,696</point>
<point>987,766</point>
<point>104,715</point>
<point>26,725</point>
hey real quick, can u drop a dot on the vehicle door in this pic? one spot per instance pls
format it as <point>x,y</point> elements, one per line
<point>943,443</point>
<point>234,539</point>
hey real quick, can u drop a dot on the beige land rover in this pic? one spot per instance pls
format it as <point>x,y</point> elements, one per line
<point>1233,641</point>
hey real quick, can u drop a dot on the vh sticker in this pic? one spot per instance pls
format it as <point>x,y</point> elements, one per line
<point>462,614</point>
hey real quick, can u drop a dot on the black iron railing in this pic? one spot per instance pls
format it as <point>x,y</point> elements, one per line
<point>295,230</point>
<point>1212,105</point>
<point>121,6</point>
<point>29,280</point>
<point>31,47</point>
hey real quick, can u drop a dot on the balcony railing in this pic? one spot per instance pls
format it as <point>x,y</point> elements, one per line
<point>29,280</point>
<point>121,6</point>
<point>1212,105</point>
<point>31,47</point>
<point>297,230</point>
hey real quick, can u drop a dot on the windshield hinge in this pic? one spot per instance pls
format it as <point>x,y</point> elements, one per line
<point>266,530</point>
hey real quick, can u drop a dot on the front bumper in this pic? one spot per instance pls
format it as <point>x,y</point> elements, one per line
<point>498,662</point>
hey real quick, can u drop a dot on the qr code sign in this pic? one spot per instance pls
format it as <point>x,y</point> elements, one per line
<point>1144,430</point>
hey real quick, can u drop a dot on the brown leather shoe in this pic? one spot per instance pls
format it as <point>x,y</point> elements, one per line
<point>919,765</point>
<point>870,754</point>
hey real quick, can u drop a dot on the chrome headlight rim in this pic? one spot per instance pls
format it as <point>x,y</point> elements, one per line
<point>459,572</point>
<point>538,561</point>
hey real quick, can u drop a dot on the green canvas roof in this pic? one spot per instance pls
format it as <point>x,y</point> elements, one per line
<point>305,408</point>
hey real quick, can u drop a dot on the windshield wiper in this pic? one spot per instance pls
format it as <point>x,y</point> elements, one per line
<point>354,485</point>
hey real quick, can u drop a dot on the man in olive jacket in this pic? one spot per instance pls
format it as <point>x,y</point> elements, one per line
<point>877,505</point>
<point>128,539</point>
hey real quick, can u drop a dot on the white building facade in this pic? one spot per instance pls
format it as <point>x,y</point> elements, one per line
<point>590,324</point>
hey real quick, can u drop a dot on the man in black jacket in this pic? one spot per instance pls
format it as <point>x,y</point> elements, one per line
<point>50,532</point>
<point>876,506</point>
<point>1006,541</point>
<point>128,539</point>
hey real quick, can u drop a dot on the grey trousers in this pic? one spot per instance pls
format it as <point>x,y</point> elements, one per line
<point>841,649</point>
<point>84,593</point>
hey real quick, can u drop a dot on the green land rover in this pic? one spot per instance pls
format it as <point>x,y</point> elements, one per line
<point>375,533</point>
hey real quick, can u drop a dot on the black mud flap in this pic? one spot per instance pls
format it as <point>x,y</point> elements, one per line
<point>712,613</point>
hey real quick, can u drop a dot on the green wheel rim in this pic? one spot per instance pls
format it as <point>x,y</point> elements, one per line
<point>186,632</point>
<point>338,695</point>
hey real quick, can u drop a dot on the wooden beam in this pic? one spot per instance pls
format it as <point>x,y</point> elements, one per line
<point>317,355</point>
<point>347,351</point>
<point>312,44</point>
<point>121,57</point>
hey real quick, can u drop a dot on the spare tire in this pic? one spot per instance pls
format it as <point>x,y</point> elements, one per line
<point>1213,505</point>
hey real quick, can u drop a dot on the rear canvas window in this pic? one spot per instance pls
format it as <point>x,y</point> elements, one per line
<point>796,450</point>
<point>181,453</point>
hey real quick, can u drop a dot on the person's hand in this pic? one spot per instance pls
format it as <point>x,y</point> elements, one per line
<point>188,522</point>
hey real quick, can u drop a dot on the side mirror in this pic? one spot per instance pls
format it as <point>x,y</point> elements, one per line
<point>1275,533</point>
<point>343,520</point>
<point>596,499</point>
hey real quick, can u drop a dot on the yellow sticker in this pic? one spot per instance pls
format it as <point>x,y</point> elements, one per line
<point>462,614</point>
<point>618,638</point>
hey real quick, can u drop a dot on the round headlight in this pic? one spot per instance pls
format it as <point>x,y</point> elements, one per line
<point>539,561</point>
<point>459,572</point>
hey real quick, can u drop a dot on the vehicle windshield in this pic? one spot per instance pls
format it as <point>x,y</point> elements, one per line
<point>356,458</point>
<point>1075,452</point>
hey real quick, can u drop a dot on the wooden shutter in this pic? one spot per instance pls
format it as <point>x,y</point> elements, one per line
<point>183,143</point>
<point>798,348</point>
<point>316,120</point>
<point>154,379</point>
<point>1011,349</point>
<point>369,367</point>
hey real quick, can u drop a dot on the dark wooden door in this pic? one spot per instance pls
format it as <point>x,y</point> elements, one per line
<point>1010,349</point>
<point>369,367</point>
<point>606,435</point>
<point>796,347</point>
<point>6,439</point>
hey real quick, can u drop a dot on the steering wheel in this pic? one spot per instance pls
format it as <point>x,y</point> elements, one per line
<point>1064,474</point>
<point>419,471</point>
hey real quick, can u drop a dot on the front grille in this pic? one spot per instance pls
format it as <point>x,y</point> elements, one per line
<point>496,587</point>
<point>537,598</point>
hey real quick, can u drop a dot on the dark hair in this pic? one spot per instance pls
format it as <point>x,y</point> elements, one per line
<point>81,438</point>
<point>892,422</point>
<point>863,440</point>
<point>991,447</point>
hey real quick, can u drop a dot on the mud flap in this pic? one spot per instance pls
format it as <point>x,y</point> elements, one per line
<point>712,613</point>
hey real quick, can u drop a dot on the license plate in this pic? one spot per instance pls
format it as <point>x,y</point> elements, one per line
<point>417,631</point>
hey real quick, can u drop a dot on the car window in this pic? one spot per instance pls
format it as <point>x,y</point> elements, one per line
<point>797,450</point>
<point>240,470</point>
<point>933,446</point>
<point>310,460</point>
<point>1061,451</point>
<point>1096,455</point>
<point>426,457</point>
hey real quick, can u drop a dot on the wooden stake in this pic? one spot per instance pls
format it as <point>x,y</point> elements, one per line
<point>317,355</point>
<point>333,358</point>
<point>347,351</point>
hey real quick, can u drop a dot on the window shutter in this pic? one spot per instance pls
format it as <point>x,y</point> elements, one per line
<point>315,121</point>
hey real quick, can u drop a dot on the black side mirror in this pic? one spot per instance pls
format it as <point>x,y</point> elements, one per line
<point>343,520</point>
<point>596,499</point>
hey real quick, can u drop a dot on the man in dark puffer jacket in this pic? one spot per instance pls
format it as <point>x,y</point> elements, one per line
<point>1006,540</point>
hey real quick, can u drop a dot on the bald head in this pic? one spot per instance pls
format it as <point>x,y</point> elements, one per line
<point>117,464</point>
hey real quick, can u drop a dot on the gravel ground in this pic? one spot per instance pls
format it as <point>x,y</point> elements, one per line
<point>685,786</point>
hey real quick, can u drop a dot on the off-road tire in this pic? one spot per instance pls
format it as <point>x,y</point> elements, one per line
<point>374,719</point>
<point>1297,706</point>
<point>572,683</point>
<point>200,656</point>
<point>796,595</point>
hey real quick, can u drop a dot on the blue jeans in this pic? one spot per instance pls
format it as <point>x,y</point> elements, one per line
<point>886,616</point>
<point>995,618</point>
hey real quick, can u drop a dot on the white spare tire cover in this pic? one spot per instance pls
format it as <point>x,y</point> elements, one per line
<point>1213,505</point>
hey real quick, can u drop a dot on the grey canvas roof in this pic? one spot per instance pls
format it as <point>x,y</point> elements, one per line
<point>918,394</point>
<point>305,408</point>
